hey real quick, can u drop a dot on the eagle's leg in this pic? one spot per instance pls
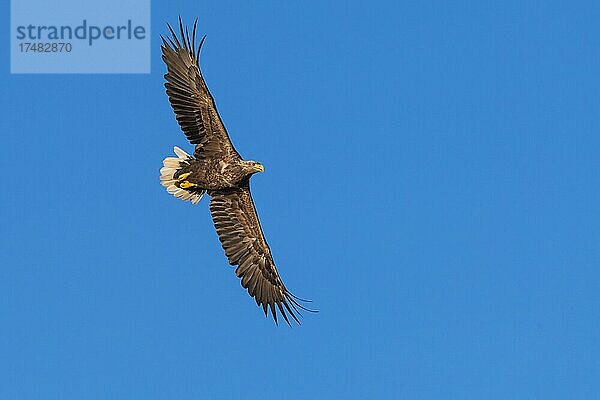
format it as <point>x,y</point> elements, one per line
<point>183,176</point>
<point>183,183</point>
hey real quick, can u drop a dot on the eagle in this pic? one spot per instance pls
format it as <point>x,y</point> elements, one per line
<point>217,169</point>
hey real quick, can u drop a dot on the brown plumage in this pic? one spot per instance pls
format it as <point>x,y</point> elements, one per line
<point>217,168</point>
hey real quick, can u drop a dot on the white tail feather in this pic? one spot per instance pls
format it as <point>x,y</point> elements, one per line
<point>167,179</point>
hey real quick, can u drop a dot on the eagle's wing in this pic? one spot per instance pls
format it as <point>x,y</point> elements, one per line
<point>238,227</point>
<point>193,104</point>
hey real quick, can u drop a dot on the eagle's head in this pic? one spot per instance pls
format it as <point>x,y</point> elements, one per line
<point>253,167</point>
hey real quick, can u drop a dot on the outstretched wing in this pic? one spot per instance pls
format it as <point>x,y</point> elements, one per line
<point>238,227</point>
<point>193,104</point>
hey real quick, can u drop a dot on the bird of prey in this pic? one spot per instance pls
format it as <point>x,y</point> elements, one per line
<point>218,169</point>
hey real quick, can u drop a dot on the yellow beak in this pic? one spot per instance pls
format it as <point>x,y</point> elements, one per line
<point>260,168</point>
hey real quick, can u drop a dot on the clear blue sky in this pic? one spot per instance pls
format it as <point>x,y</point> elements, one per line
<point>432,183</point>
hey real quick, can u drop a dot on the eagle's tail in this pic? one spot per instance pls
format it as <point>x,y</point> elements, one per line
<point>167,179</point>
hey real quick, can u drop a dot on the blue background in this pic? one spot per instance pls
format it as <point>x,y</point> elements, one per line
<point>432,183</point>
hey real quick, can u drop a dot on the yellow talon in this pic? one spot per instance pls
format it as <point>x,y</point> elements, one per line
<point>183,176</point>
<point>186,184</point>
